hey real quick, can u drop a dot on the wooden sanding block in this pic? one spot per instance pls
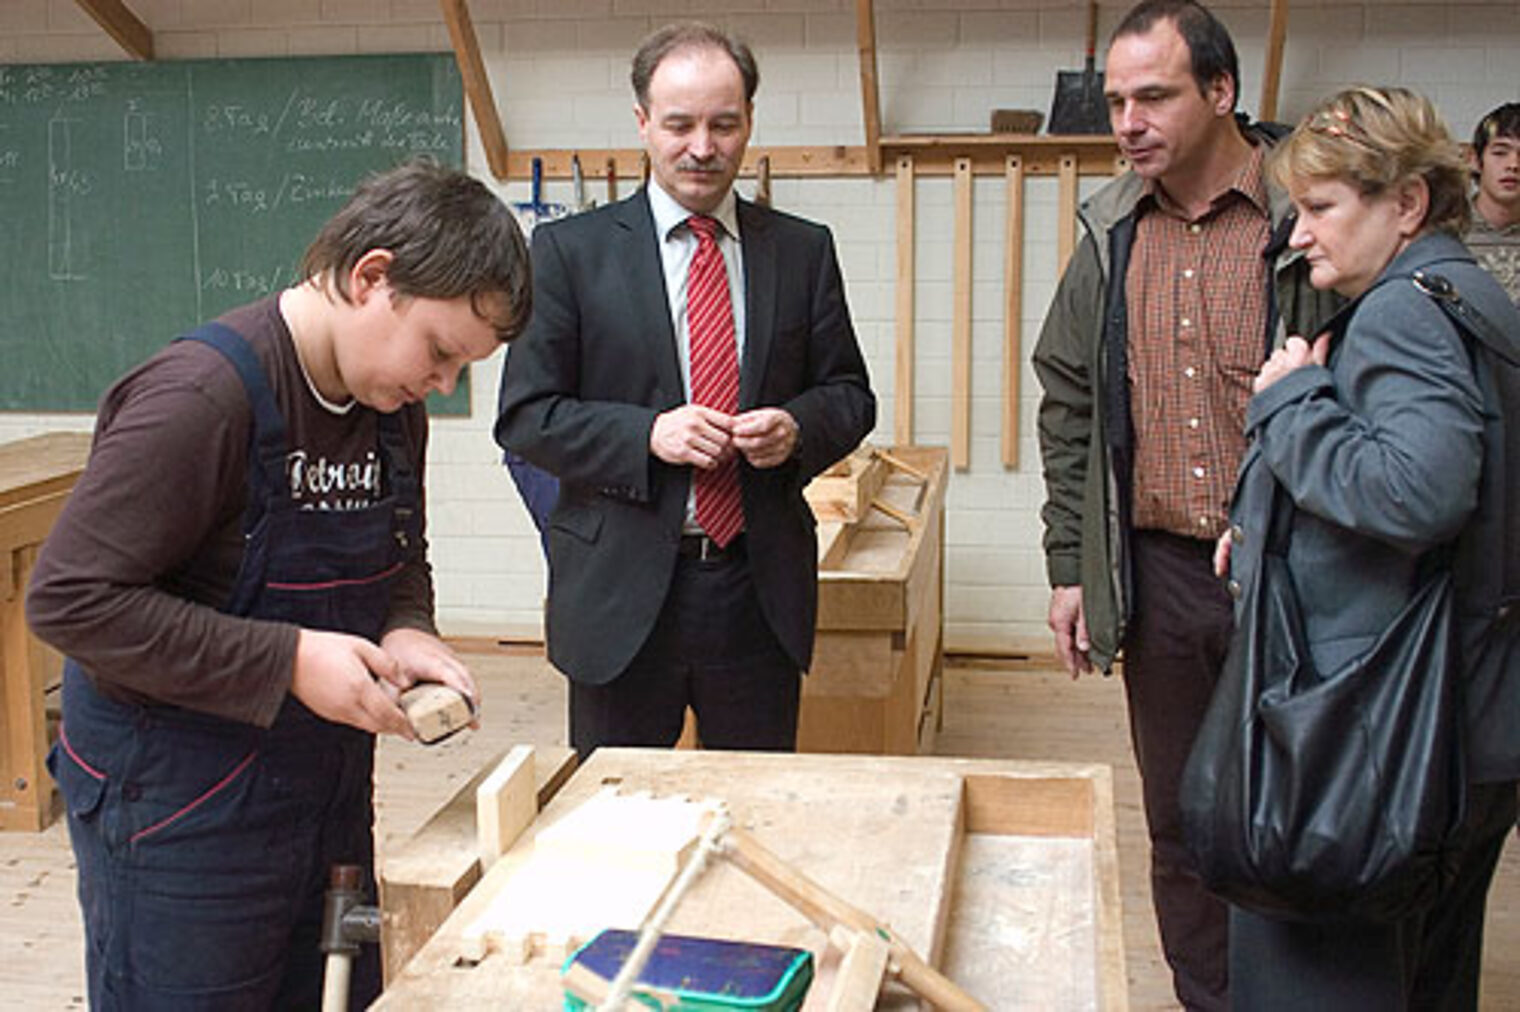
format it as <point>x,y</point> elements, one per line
<point>435,711</point>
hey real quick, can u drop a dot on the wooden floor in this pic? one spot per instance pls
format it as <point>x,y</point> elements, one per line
<point>1018,710</point>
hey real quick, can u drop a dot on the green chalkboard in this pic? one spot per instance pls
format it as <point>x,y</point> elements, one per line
<point>139,199</point>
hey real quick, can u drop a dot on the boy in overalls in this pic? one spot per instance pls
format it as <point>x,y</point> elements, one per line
<point>240,582</point>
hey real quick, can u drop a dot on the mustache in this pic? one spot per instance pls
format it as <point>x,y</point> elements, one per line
<point>715,164</point>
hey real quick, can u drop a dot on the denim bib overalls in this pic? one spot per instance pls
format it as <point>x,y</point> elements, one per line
<point>204,844</point>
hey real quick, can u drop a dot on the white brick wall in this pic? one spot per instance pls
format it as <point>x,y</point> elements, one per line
<point>559,70</point>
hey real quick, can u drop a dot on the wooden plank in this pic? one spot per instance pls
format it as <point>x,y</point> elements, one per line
<point>932,156</point>
<point>605,863</point>
<point>960,322</point>
<point>886,837</point>
<point>122,25</point>
<point>935,154</point>
<point>1013,307</point>
<point>856,665</point>
<point>870,100</point>
<point>477,86</point>
<point>843,492</point>
<point>423,879</point>
<point>874,583</point>
<point>1014,928</point>
<point>860,975</point>
<point>26,790</point>
<point>784,801</point>
<point>504,804</point>
<point>833,543</point>
<point>1048,806</point>
<point>29,523</point>
<point>786,161</point>
<point>903,393</point>
<point>1113,981</point>
<point>1066,212</point>
<point>1271,78</point>
<point>830,912</point>
<point>36,475</point>
<point>763,182</point>
<point>38,465</point>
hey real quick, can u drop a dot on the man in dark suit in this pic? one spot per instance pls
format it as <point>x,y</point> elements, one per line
<point>690,366</point>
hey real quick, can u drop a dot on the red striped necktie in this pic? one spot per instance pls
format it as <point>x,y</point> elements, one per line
<point>714,376</point>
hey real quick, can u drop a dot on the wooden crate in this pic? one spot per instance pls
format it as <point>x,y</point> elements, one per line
<point>873,686</point>
<point>1002,873</point>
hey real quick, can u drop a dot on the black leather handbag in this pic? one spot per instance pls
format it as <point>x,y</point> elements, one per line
<point>1323,796</point>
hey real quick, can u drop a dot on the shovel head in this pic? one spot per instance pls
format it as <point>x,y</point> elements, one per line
<point>1078,106</point>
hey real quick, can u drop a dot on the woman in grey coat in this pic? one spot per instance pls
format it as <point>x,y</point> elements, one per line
<point>1375,430</point>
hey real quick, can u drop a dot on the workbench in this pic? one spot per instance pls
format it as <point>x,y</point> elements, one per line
<point>36,475</point>
<point>1001,873</point>
<point>874,685</point>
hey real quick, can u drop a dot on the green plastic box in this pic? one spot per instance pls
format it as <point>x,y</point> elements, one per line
<point>704,974</point>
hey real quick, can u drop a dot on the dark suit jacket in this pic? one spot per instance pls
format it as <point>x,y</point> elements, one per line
<point>582,387</point>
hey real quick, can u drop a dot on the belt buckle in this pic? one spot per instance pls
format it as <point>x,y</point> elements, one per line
<point>708,549</point>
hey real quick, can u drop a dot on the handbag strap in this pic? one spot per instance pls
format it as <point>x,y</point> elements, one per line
<point>1465,315</point>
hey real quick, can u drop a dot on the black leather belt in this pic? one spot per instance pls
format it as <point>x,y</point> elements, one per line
<point>700,546</point>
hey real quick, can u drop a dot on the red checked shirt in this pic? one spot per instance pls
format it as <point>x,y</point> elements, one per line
<point>1197,301</point>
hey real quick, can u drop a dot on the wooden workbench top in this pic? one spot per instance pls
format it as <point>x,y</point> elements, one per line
<point>886,834</point>
<point>41,465</point>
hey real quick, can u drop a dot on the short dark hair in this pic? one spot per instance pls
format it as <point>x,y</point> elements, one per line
<point>1210,48</point>
<point>1501,122</point>
<point>448,234</point>
<point>690,35</point>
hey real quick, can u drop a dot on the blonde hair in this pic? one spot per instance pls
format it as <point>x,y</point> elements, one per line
<point>1375,139</point>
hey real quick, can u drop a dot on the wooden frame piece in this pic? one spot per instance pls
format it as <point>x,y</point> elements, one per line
<point>870,100</point>
<point>1271,76</point>
<point>932,156</point>
<point>424,878</point>
<point>1013,307</point>
<point>1066,212</point>
<point>505,803</point>
<point>122,25</point>
<point>935,154</point>
<point>960,325</point>
<point>477,86</point>
<point>978,838</point>
<point>36,477</point>
<point>903,394</point>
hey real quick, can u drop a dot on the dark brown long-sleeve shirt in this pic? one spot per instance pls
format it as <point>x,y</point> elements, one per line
<point>148,546</point>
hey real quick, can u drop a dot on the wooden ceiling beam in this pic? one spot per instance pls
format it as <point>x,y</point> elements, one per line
<point>122,25</point>
<point>477,84</point>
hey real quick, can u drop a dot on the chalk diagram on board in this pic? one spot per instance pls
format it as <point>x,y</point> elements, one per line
<point>140,150</point>
<point>64,183</point>
<point>10,158</point>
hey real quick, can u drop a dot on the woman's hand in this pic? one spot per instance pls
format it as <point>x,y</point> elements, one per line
<point>1294,354</point>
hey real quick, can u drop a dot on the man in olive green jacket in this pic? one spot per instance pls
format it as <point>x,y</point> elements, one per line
<point>1084,532</point>
<point>1146,358</point>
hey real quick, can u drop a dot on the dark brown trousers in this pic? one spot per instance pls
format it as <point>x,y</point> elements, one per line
<point>1179,634</point>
